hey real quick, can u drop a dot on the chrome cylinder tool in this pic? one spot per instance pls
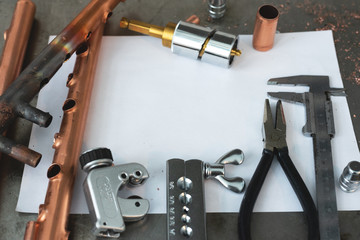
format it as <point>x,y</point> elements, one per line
<point>186,216</point>
<point>217,8</point>
<point>205,44</point>
<point>108,211</point>
<point>350,178</point>
<point>191,40</point>
<point>320,126</point>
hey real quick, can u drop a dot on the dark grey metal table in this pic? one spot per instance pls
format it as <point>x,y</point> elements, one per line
<point>343,17</point>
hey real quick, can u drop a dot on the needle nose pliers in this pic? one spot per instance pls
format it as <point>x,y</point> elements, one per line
<point>275,144</point>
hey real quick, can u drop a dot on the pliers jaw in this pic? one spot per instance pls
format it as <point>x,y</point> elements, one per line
<point>274,134</point>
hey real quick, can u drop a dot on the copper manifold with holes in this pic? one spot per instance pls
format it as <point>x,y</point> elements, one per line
<point>15,100</point>
<point>53,214</point>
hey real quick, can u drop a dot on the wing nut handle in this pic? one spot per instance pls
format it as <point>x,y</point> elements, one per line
<point>217,171</point>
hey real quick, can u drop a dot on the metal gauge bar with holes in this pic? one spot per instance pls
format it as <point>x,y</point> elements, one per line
<point>186,217</point>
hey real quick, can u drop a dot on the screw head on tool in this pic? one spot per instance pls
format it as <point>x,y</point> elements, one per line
<point>185,198</point>
<point>184,183</point>
<point>185,218</point>
<point>186,231</point>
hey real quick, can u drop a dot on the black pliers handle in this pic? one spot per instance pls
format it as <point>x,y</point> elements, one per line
<point>275,144</point>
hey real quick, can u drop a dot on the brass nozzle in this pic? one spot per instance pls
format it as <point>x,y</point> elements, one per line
<point>165,33</point>
<point>235,52</point>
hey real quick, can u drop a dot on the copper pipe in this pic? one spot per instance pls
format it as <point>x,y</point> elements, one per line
<point>53,214</point>
<point>15,100</point>
<point>265,27</point>
<point>16,39</point>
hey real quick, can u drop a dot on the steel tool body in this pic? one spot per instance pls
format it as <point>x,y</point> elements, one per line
<point>216,8</point>
<point>275,145</point>
<point>186,216</point>
<point>108,211</point>
<point>15,100</point>
<point>320,126</point>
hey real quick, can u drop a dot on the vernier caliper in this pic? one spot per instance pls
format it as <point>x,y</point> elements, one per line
<point>320,126</point>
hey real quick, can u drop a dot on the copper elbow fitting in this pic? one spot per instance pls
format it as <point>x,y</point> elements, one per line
<point>265,27</point>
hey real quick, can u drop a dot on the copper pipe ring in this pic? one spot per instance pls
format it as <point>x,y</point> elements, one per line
<point>265,27</point>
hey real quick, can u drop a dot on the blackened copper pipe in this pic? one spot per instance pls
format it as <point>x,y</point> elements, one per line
<point>266,21</point>
<point>16,39</point>
<point>15,100</point>
<point>53,214</point>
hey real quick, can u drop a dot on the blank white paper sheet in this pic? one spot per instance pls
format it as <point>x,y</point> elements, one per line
<point>149,105</point>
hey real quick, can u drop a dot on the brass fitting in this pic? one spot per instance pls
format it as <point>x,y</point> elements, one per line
<point>165,33</point>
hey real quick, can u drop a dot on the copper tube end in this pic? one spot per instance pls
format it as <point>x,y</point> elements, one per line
<point>25,155</point>
<point>19,152</point>
<point>265,27</point>
<point>27,2</point>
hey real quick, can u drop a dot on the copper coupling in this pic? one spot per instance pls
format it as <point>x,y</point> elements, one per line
<point>266,21</point>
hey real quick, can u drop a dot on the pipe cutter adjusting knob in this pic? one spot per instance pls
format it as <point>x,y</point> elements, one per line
<point>96,158</point>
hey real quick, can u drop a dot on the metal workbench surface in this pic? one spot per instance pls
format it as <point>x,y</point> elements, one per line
<point>343,17</point>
